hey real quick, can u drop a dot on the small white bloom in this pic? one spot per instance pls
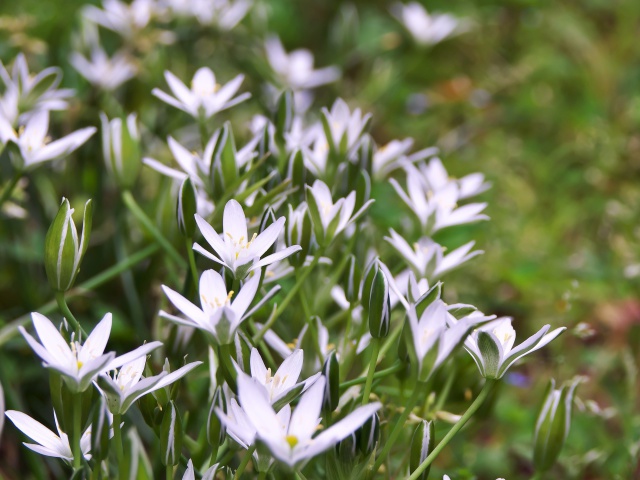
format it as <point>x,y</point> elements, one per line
<point>236,251</point>
<point>33,143</point>
<point>102,71</point>
<point>344,128</point>
<point>394,154</point>
<point>427,29</point>
<point>48,443</point>
<point>79,364</point>
<point>122,18</point>
<point>295,70</point>
<point>205,97</point>
<point>435,178</point>
<point>224,14</point>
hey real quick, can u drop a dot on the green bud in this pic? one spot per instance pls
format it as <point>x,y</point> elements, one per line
<point>100,431</point>
<point>268,218</point>
<point>299,231</point>
<point>364,153</point>
<point>369,435</point>
<point>422,445</point>
<point>362,189</point>
<point>379,306</point>
<point>430,296</point>
<point>367,282</point>
<point>491,354</point>
<point>186,208</point>
<point>552,426</point>
<point>224,154</point>
<point>331,371</point>
<point>347,451</point>
<point>284,116</point>
<point>170,435</point>
<point>297,172</point>
<point>215,429</point>
<point>63,251</point>
<point>121,148</point>
<point>351,280</point>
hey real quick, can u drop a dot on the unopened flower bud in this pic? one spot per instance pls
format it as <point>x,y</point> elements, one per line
<point>299,231</point>
<point>63,250</point>
<point>268,218</point>
<point>331,371</point>
<point>421,446</point>
<point>284,116</point>
<point>186,208</point>
<point>224,155</point>
<point>297,171</point>
<point>121,148</point>
<point>215,429</point>
<point>170,435</point>
<point>367,282</point>
<point>379,306</point>
<point>351,280</point>
<point>369,434</point>
<point>100,431</point>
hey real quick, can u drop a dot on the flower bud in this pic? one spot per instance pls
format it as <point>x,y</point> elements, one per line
<point>367,282</point>
<point>351,280</point>
<point>362,189</point>
<point>369,434</point>
<point>284,116</point>
<point>224,155</point>
<point>379,306</point>
<point>297,172</point>
<point>170,435</point>
<point>215,429</point>
<point>186,208</point>
<point>100,431</point>
<point>63,251</point>
<point>347,451</point>
<point>331,371</point>
<point>268,218</point>
<point>299,231</point>
<point>552,426</point>
<point>121,148</point>
<point>421,446</point>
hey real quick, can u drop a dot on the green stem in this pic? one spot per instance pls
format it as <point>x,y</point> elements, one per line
<point>142,217</point>
<point>473,408</point>
<point>444,393</point>
<point>412,402</point>
<point>375,349</point>
<point>192,262</point>
<point>262,475</point>
<point>77,431</point>
<point>258,336</point>
<point>8,190</point>
<point>244,463</point>
<point>389,342</point>
<point>396,367</point>
<point>64,309</point>
<point>169,472</point>
<point>117,440</point>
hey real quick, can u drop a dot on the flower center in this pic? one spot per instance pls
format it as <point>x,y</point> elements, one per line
<point>292,440</point>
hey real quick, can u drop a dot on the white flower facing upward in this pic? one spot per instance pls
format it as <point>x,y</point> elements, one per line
<point>127,384</point>
<point>79,364</point>
<point>48,443</point>
<point>33,144</point>
<point>427,256</point>
<point>344,128</point>
<point>295,70</point>
<point>290,435</point>
<point>427,29</point>
<point>285,381</point>
<point>102,71</point>
<point>205,97</point>
<point>219,317</point>
<point>236,251</point>
<point>491,346</point>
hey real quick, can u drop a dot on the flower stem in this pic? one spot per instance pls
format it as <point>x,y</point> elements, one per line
<point>8,190</point>
<point>169,472</point>
<point>77,431</point>
<point>396,367</point>
<point>375,349</point>
<point>142,217</point>
<point>192,262</point>
<point>412,402</point>
<point>244,463</point>
<point>62,304</point>
<point>473,408</point>
<point>262,475</point>
<point>117,439</point>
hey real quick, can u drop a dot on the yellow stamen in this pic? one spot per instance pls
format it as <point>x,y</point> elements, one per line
<point>292,440</point>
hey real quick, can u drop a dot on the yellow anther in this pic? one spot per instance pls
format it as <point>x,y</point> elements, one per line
<point>79,364</point>
<point>229,295</point>
<point>292,440</point>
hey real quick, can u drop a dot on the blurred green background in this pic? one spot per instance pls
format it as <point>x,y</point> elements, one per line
<point>542,97</point>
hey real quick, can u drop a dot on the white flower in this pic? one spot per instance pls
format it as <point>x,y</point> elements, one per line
<point>102,71</point>
<point>127,385</point>
<point>290,436</point>
<point>219,316</point>
<point>224,14</point>
<point>427,29</point>
<point>285,380</point>
<point>343,127</point>
<point>122,18</point>
<point>79,364</point>
<point>236,251</point>
<point>205,97</point>
<point>33,143</point>
<point>120,146</point>
<point>394,154</point>
<point>491,346</point>
<point>427,256</point>
<point>48,443</point>
<point>435,177</point>
<point>190,474</point>
<point>295,70</point>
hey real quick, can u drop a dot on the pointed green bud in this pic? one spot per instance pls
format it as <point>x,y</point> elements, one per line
<point>100,431</point>
<point>299,231</point>
<point>121,148</point>
<point>364,154</point>
<point>367,282</point>
<point>224,154</point>
<point>284,115</point>
<point>362,189</point>
<point>422,445</point>
<point>369,435</point>
<point>268,219</point>
<point>331,372</point>
<point>347,451</point>
<point>490,352</point>
<point>215,430</point>
<point>63,250</point>
<point>297,171</point>
<point>170,435</point>
<point>552,426</point>
<point>186,208</point>
<point>351,280</point>
<point>379,306</point>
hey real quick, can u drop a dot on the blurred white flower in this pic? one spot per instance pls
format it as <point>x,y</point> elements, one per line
<point>394,154</point>
<point>435,177</point>
<point>344,128</point>
<point>224,14</point>
<point>120,17</point>
<point>427,29</point>
<point>295,70</point>
<point>102,71</point>
<point>33,144</point>
<point>205,97</point>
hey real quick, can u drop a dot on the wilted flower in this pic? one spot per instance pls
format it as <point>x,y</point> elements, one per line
<point>427,29</point>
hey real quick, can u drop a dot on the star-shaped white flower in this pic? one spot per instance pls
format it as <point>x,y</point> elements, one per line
<point>235,250</point>
<point>120,17</point>
<point>395,153</point>
<point>79,364</point>
<point>427,29</point>
<point>205,97</point>
<point>48,443</point>
<point>343,127</point>
<point>101,70</point>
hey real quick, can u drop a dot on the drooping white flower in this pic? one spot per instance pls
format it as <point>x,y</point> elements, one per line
<point>79,364</point>
<point>219,317</point>
<point>290,435</point>
<point>491,346</point>
<point>343,127</point>
<point>236,251</point>
<point>427,256</point>
<point>120,17</point>
<point>205,97</point>
<point>104,72</point>
<point>126,385</point>
<point>34,145</point>
<point>48,443</point>
<point>427,29</point>
<point>295,70</point>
